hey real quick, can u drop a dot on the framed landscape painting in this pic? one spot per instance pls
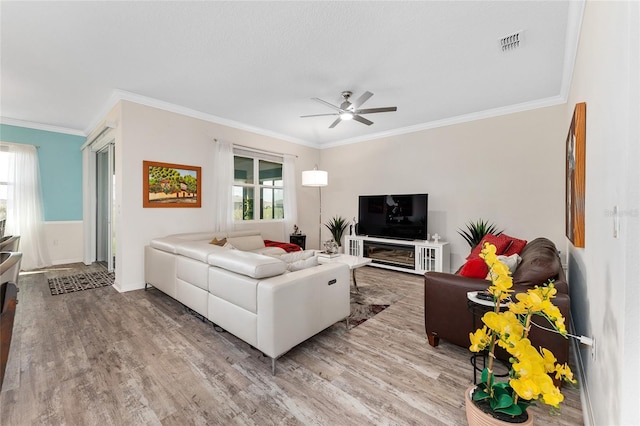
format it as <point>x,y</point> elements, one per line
<point>170,185</point>
<point>575,176</point>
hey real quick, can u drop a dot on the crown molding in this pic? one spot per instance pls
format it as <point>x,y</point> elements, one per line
<point>481,115</point>
<point>122,95</point>
<point>40,126</point>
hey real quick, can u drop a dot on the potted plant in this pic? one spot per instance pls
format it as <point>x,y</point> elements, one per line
<point>337,226</point>
<point>530,368</point>
<point>476,231</point>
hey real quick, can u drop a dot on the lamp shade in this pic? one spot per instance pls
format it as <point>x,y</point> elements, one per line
<point>315,178</point>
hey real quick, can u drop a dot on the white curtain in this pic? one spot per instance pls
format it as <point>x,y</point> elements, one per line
<point>223,187</point>
<point>24,204</point>
<point>290,198</point>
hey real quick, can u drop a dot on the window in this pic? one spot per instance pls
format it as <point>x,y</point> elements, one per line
<point>258,189</point>
<point>5,158</point>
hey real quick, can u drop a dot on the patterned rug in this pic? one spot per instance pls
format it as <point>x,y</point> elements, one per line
<point>79,282</point>
<point>371,300</point>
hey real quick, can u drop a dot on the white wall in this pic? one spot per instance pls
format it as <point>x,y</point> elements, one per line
<point>508,170</point>
<point>147,133</point>
<point>64,241</point>
<point>604,275</point>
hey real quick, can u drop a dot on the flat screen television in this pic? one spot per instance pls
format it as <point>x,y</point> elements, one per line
<point>401,217</point>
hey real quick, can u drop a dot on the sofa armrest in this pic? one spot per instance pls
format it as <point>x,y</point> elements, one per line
<point>447,315</point>
<point>554,342</point>
<point>295,306</point>
<point>253,265</point>
<point>446,312</point>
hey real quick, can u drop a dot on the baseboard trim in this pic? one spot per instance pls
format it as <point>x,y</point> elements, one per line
<point>585,400</point>
<point>66,261</point>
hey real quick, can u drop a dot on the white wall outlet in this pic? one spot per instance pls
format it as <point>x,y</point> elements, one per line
<point>593,349</point>
<point>616,222</point>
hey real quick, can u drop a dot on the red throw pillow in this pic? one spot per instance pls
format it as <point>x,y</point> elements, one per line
<point>515,247</point>
<point>475,268</point>
<point>500,241</point>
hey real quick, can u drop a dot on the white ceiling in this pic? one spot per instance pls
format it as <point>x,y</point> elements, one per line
<point>255,65</point>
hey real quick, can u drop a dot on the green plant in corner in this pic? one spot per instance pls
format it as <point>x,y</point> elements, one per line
<point>337,226</point>
<point>476,231</point>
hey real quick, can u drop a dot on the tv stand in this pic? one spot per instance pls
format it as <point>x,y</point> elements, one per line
<point>415,256</point>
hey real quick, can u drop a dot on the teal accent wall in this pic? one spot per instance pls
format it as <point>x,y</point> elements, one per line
<point>60,169</point>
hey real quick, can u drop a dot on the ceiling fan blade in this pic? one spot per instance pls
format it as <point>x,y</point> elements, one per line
<point>362,120</point>
<point>335,123</point>
<point>317,115</point>
<point>362,99</point>
<point>326,103</point>
<point>346,105</point>
<point>373,110</point>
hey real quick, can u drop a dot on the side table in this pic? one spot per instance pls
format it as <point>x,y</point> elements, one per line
<point>299,239</point>
<point>478,307</point>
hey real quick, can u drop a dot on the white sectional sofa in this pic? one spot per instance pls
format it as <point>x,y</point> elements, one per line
<point>247,289</point>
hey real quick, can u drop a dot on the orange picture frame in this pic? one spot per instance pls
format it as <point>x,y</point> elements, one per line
<point>575,176</point>
<point>171,185</point>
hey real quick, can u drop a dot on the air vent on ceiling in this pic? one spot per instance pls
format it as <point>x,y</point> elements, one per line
<point>511,42</point>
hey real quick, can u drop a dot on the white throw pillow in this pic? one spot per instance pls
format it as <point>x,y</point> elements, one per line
<point>246,243</point>
<point>295,256</point>
<point>512,261</point>
<point>302,264</point>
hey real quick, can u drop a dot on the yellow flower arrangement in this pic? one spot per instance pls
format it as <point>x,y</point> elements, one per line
<point>531,369</point>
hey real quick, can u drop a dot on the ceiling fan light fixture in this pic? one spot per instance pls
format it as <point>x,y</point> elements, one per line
<point>351,111</point>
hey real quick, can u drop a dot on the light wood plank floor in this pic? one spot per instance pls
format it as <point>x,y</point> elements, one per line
<point>98,357</point>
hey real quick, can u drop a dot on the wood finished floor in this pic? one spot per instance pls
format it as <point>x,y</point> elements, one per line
<point>98,357</point>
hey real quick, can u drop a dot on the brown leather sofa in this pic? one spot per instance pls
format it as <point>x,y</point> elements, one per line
<point>447,315</point>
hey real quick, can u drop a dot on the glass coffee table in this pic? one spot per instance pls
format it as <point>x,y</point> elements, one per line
<point>354,263</point>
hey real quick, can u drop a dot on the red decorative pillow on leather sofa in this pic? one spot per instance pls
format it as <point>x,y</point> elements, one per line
<point>474,268</point>
<point>501,242</point>
<point>505,244</point>
<point>515,247</point>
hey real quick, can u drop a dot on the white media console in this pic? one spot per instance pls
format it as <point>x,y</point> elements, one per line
<point>417,256</point>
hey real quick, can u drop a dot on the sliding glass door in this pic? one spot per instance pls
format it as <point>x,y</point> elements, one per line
<point>105,200</point>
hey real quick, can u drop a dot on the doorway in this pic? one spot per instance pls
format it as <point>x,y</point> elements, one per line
<point>105,200</point>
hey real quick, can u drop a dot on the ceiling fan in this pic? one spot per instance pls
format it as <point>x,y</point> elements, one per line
<point>351,110</point>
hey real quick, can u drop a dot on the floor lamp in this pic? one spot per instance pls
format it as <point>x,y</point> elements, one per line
<point>317,178</point>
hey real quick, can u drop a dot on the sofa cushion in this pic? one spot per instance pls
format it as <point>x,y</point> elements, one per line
<point>540,262</point>
<point>295,256</point>
<point>167,244</point>
<point>198,250</point>
<point>240,290</point>
<point>269,251</point>
<point>248,242</point>
<point>246,263</point>
<point>298,260</point>
<point>500,241</point>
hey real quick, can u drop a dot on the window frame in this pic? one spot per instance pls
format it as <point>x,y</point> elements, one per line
<point>257,187</point>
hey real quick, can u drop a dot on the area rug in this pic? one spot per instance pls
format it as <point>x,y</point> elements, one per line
<point>80,282</point>
<point>372,299</point>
